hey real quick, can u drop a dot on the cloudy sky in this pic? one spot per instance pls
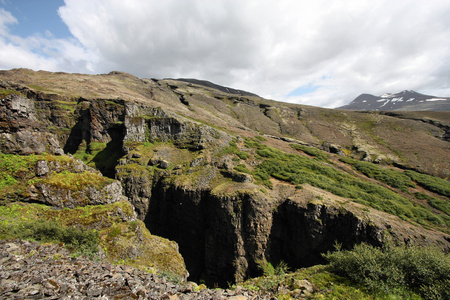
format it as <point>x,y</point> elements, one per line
<point>322,53</point>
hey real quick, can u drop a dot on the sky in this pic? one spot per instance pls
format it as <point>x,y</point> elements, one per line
<point>322,53</point>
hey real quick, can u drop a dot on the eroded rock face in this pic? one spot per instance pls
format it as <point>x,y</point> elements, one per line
<point>20,131</point>
<point>226,238</point>
<point>63,197</point>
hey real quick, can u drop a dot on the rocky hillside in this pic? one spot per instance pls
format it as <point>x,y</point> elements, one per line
<point>235,180</point>
<point>402,101</point>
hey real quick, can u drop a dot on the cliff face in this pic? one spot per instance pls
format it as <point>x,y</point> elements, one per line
<point>230,198</point>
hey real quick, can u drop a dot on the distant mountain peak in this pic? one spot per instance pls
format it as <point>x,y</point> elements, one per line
<point>407,100</point>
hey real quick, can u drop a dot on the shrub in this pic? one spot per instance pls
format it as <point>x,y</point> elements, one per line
<point>394,269</point>
<point>268,152</point>
<point>80,240</point>
<point>242,168</point>
<point>269,270</point>
<point>242,155</point>
<point>252,143</point>
<point>432,183</point>
<point>396,179</point>
<point>232,148</point>
<point>319,154</point>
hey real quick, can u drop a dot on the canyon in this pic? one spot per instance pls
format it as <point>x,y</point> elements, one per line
<point>185,162</point>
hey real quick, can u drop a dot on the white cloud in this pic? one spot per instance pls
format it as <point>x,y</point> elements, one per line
<point>269,47</point>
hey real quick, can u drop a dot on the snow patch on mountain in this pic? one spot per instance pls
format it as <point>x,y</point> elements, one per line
<point>404,100</point>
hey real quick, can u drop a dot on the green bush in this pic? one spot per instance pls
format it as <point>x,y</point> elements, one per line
<point>242,168</point>
<point>440,204</point>
<point>268,152</point>
<point>232,148</point>
<point>319,154</point>
<point>260,138</point>
<point>269,270</point>
<point>395,269</point>
<point>431,183</point>
<point>252,143</point>
<point>242,155</point>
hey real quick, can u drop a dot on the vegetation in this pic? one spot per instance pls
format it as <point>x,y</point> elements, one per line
<point>80,240</point>
<point>103,156</point>
<point>298,169</point>
<point>397,270</point>
<point>231,149</point>
<point>6,93</point>
<point>269,270</point>
<point>442,205</point>
<point>242,155</point>
<point>242,168</point>
<point>432,183</point>
<point>327,285</point>
<point>318,154</point>
<point>396,179</point>
<point>74,181</point>
<point>85,229</point>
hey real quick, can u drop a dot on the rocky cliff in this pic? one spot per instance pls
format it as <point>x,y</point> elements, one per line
<point>234,180</point>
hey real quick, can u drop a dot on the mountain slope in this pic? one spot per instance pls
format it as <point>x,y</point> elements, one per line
<point>234,180</point>
<point>402,101</point>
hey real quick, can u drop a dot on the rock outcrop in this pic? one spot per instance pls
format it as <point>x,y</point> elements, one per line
<point>20,131</point>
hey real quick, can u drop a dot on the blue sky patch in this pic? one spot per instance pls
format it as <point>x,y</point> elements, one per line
<point>36,17</point>
<point>306,89</point>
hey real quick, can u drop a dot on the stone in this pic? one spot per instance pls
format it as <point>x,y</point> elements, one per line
<point>42,168</point>
<point>164,164</point>
<point>238,297</point>
<point>303,285</point>
<point>136,155</point>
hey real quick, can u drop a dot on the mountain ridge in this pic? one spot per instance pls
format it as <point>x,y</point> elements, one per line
<point>407,100</point>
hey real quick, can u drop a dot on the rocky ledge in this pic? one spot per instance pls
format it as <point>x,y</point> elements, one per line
<point>29,270</point>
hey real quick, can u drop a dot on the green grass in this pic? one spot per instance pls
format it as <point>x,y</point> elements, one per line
<point>75,181</point>
<point>442,205</point>
<point>6,93</point>
<point>231,149</point>
<point>103,156</point>
<point>396,179</point>
<point>83,229</point>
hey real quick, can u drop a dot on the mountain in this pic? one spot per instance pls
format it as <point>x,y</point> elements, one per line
<point>402,101</point>
<point>217,87</point>
<point>192,182</point>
